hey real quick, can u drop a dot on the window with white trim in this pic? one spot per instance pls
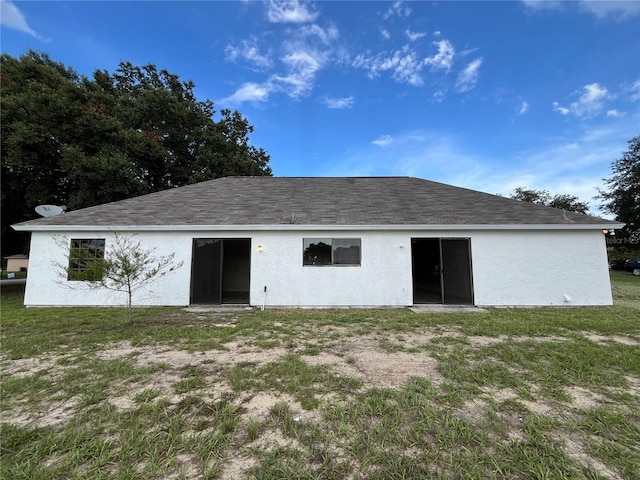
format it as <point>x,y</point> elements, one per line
<point>85,259</point>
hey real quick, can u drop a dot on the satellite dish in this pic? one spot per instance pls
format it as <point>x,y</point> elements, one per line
<point>50,210</point>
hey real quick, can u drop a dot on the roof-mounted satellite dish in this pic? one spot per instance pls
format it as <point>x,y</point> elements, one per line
<point>50,210</point>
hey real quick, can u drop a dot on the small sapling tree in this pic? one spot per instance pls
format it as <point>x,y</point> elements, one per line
<point>125,267</point>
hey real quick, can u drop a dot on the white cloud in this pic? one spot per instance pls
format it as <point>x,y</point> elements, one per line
<point>249,92</point>
<point>413,36</point>
<point>338,103</point>
<point>439,95</point>
<point>611,8</point>
<point>12,17</point>
<point>248,50</point>
<point>543,4</point>
<point>468,78</point>
<point>297,80</point>
<point>592,96</point>
<point>383,140</point>
<point>326,36</point>
<point>290,11</point>
<point>302,67</point>
<point>558,108</point>
<point>620,9</point>
<point>291,64</point>
<point>444,58</point>
<point>524,107</point>
<point>397,10</point>
<point>405,65</point>
<point>615,113</point>
<point>589,103</point>
<point>633,90</point>
<point>437,33</point>
<point>385,34</point>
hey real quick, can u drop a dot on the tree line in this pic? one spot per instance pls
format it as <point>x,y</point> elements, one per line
<point>67,139</point>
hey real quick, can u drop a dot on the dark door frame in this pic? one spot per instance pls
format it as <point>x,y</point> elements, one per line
<point>219,266</point>
<point>442,269</point>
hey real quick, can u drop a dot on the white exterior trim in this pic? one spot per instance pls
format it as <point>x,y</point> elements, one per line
<point>296,227</point>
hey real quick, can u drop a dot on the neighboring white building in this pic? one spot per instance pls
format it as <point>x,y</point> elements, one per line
<point>364,241</point>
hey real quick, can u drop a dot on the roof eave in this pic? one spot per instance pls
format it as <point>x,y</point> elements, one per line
<point>605,225</point>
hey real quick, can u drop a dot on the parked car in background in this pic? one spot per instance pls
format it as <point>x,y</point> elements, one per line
<point>632,266</point>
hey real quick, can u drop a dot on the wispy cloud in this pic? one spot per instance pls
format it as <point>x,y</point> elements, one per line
<point>248,51</point>
<point>413,36</point>
<point>427,154</point>
<point>611,8</point>
<point>633,91</point>
<point>444,58</point>
<point>302,66</point>
<point>543,4</point>
<point>407,63</point>
<point>383,140</point>
<point>290,11</point>
<point>404,64</point>
<point>524,107</point>
<point>614,113</point>
<point>325,35</point>
<point>616,9</point>
<point>397,9</point>
<point>292,64</point>
<point>338,103</point>
<point>468,78</point>
<point>12,17</point>
<point>572,163</point>
<point>590,102</point>
<point>557,108</point>
<point>249,92</point>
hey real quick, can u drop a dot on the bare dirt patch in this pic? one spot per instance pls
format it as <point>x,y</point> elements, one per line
<point>583,399</point>
<point>473,411</point>
<point>577,451</point>
<point>623,339</point>
<point>49,414</point>
<point>24,367</point>
<point>363,358</point>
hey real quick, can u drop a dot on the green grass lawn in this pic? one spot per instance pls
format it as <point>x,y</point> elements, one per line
<point>321,394</point>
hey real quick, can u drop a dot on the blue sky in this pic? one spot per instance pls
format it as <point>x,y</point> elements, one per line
<point>484,95</point>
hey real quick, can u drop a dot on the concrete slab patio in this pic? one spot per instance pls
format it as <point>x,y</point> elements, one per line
<point>437,308</point>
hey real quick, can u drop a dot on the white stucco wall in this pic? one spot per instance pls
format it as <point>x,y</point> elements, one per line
<point>46,286</point>
<point>541,268</point>
<point>383,278</point>
<point>509,268</point>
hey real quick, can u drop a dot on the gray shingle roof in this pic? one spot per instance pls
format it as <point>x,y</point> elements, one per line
<point>316,201</point>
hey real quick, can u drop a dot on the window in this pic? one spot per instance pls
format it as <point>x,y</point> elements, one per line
<point>85,256</point>
<point>331,251</point>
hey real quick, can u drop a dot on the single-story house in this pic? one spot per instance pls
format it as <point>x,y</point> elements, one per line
<point>363,241</point>
<point>17,263</point>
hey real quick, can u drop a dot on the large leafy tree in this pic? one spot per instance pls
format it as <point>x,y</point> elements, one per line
<point>78,141</point>
<point>622,196</point>
<point>571,203</point>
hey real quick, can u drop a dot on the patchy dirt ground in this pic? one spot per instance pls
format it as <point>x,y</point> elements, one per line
<point>376,360</point>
